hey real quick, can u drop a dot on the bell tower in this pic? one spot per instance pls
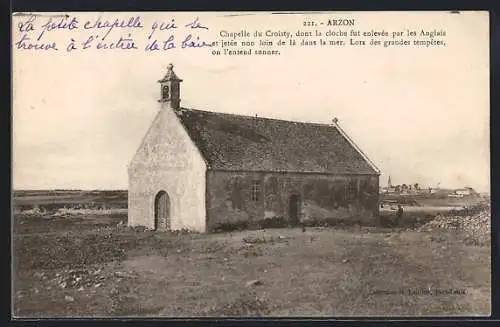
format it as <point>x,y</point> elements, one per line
<point>170,88</point>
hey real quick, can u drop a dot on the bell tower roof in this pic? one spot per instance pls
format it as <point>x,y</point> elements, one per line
<point>170,89</point>
<point>170,75</point>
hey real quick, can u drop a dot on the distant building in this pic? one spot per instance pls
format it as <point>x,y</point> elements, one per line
<point>199,170</point>
<point>389,188</point>
<point>466,191</point>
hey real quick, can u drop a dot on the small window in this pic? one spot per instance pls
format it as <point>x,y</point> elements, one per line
<point>255,191</point>
<point>352,190</point>
<point>165,93</point>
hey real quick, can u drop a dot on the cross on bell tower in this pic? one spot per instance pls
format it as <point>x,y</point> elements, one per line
<point>170,88</point>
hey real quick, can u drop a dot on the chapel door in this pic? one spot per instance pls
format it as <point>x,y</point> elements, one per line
<point>294,209</point>
<point>162,211</point>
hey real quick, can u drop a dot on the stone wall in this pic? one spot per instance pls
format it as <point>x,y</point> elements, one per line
<point>167,160</point>
<point>229,196</point>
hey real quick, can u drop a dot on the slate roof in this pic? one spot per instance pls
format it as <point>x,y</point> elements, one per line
<point>244,143</point>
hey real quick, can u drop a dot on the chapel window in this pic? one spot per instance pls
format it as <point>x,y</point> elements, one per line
<point>255,191</point>
<point>351,190</point>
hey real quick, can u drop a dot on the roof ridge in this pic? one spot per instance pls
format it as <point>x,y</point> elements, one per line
<point>259,117</point>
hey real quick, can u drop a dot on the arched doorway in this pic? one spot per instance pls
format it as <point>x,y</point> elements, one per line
<point>162,211</point>
<point>294,209</point>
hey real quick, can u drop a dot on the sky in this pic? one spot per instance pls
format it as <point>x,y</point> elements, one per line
<point>420,114</point>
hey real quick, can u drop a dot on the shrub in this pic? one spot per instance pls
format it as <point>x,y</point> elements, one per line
<point>274,222</point>
<point>229,227</point>
<point>337,222</point>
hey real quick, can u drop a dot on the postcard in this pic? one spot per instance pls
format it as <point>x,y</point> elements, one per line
<point>251,164</point>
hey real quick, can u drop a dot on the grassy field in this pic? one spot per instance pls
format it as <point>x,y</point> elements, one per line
<point>85,265</point>
<point>51,200</point>
<point>432,200</point>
